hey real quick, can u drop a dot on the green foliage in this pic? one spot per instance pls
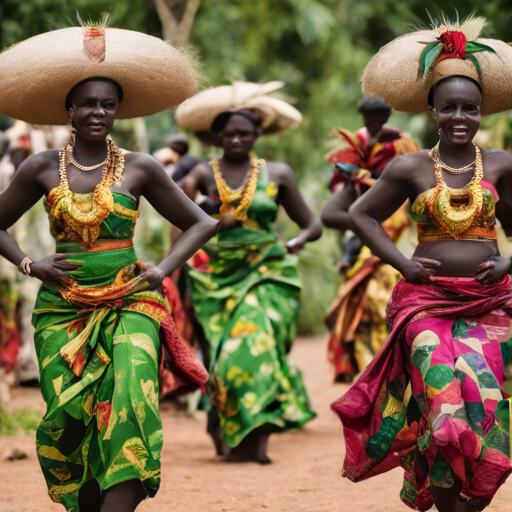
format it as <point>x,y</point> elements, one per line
<point>18,423</point>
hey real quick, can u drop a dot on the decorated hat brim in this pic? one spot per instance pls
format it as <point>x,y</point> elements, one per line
<point>36,75</point>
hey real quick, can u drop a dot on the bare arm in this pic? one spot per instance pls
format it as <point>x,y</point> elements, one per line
<point>495,269</point>
<point>170,202</point>
<point>291,199</point>
<point>335,213</point>
<point>191,184</point>
<point>22,193</point>
<point>389,192</point>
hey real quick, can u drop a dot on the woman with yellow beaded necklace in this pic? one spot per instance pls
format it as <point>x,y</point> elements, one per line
<point>434,400</point>
<point>102,329</point>
<point>246,298</point>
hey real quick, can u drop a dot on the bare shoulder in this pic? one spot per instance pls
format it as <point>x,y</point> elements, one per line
<point>203,168</point>
<point>148,169</point>
<point>201,172</point>
<point>40,162</point>
<point>497,160</point>
<point>406,167</point>
<point>142,160</point>
<point>281,172</point>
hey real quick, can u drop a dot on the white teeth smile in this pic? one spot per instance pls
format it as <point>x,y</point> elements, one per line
<point>460,128</point>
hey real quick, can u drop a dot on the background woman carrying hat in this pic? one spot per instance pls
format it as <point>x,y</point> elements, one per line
<point>246,299</point>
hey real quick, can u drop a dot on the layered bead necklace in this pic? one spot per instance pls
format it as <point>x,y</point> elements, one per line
<point>445,203</point>
<point>237,201</point>
<point>87,224</point>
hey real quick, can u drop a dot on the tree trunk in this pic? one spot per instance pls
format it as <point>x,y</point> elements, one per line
<point>173,29</point>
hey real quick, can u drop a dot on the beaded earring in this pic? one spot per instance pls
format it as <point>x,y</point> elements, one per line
<point>73,137</point>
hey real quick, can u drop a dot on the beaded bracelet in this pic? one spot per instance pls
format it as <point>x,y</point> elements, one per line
<point>24,266</point>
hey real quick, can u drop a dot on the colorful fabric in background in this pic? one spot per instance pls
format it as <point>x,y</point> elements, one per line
<point>184,328</point>
<point>9,335</point>
<point>369,153</point>
<point>357,318</point>
<point>99,349</point>
<point>434,400</point>
<point>246,299</point>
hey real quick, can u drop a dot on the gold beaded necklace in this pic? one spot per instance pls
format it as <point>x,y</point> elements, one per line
<point>456,219</point>
<point>71,160</point>
<point>87,224</point>
<point>436,156</point>
<point>237,201</point>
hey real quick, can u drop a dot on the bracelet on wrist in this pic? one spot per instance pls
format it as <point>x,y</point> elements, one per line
<point>24,266</point>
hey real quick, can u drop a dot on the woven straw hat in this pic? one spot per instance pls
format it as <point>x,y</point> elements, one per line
<point>394,73</point>
<point>276,115</point>
<point>36,75</point>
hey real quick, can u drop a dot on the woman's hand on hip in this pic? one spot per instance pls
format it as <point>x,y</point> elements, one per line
<point>418,270</point>
<point>51,272</point>
<point>493,270</point>
<point>155,277</point>
<point>295,245</point>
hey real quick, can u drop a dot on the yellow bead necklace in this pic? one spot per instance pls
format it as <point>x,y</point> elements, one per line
<point>87,224</point>
<point>456,219</point>
<point>237,201</point>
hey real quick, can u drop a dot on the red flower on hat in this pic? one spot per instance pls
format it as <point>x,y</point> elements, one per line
<point>454,45</point>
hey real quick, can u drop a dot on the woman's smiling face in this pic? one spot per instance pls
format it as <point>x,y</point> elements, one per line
<point>457,106</point>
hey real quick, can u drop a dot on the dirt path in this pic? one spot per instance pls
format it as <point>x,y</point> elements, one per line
<point>305,475</point>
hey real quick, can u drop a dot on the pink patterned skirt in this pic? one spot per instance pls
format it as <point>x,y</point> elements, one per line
<point>434,400</point>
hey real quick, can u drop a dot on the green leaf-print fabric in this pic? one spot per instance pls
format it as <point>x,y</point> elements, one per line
<point>102,419</point>
<point>246,301</point>
<point>103,423</point>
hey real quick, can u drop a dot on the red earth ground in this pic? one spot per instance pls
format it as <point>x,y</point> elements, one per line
<point>304,476</point>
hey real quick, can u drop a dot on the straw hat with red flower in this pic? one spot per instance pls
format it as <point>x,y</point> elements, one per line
<point>404,71</point>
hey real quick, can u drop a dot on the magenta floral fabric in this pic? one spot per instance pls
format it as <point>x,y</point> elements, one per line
<point>433,401</point>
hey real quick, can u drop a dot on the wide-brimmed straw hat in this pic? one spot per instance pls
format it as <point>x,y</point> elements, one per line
<point>404,71</point>
<point>275,115</point>
<point>36,75</point>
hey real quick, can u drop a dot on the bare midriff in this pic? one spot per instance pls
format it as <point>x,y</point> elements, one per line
<point>458,258</point>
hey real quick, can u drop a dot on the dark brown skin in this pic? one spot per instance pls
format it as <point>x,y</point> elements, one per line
<point>94,109</point>
<point>237,140</point>
<point>456,102</point>
<point>95,106</point>
<point>375,120</point>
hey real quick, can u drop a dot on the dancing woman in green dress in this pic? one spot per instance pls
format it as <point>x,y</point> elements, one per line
<point>246,298</point>
<point>99,321</point>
